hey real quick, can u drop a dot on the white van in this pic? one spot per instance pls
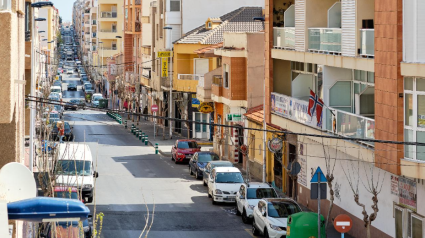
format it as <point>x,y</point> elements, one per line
<point>74,168</point>
<point>224,183</point>
<point>56,89</point>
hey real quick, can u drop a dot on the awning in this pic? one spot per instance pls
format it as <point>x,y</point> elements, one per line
<point>44,209</point>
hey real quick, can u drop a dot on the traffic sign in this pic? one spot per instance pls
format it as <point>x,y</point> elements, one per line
<point>164,54</point>
<point>314,179</point>
<point>154,108</point>
<point>343,223</point>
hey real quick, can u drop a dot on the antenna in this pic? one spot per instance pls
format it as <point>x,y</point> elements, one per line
<point>16,183</point>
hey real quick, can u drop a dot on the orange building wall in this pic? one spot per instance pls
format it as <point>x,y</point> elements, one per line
<point>237,85</point>
<point>268,67</point>
<point>388,83</point>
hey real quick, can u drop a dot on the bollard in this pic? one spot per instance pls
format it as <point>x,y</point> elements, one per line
<point>156,148</point>
<point>143,138</point>
<point>146,141</point>
<point>125,124</point>
<point>132,129</point>
<point>140,135</point>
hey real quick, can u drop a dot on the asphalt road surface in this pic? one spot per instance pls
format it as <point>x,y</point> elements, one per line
<point>133,180</point>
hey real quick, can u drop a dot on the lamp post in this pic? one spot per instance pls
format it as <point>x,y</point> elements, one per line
<point>113,92</point>
<point>98,58</point>
<point>170,107</point>
<point>32,91</point>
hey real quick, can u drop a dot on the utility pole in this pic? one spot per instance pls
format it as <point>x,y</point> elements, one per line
<point>170,107</point>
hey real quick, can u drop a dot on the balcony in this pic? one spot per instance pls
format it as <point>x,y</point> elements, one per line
<point>326,40</point>
<point>284,37</point>
<point>343,123</point>
<point>108,14</point>
<point>189,76</point>
<point>94,22</point>
<point>367,42</point>
<point>217,86</point>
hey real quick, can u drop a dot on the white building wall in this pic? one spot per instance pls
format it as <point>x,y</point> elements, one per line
<point>330,76</point>
<point>196,12</point>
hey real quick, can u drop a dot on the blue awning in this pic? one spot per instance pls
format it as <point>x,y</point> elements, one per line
<point>39,208</point>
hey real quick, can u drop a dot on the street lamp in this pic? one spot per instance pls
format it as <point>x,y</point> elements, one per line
<point>32,92</point>
<point>101,80</point>
<point>113,92</point>
<point>170,107</point>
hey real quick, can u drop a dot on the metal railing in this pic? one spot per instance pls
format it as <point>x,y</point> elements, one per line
<point>138,2</point>
<point>108,14</point>
<point>217,80</point>
<point>284,37</point>
<point>367,42</point>
<point>324,39</point>
<point>189,76</point>
<point>106,31</point>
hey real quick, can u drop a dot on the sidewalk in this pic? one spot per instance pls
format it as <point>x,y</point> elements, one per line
<point>162,139</point>
<point>330,230</point>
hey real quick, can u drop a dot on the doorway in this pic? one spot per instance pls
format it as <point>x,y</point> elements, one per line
<point>278,170</point>
<point>292,180</point>
<point>202,131</point>
<point>240,143</point>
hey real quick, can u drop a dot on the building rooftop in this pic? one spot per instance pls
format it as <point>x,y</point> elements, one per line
<point>239,20</point>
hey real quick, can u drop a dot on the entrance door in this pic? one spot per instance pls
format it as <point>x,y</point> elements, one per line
<point>292,186</point>
<point>277,163</point>
<point>201,130</point>
<point>240,143</point>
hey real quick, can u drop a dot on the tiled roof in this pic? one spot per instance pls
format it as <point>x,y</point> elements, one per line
<point>239,20</point>
<point>208,48</point>
<point>256,114</point>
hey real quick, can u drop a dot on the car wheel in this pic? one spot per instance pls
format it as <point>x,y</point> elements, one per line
<point>255,231</point>
<point>245,218</point>
<point>90,199</point>
<point>266,234</point>
<point>190,170</point>
<point>213,202</point>
<point>238,213</point>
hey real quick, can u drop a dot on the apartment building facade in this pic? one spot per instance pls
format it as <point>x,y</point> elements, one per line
<point>369,85</point>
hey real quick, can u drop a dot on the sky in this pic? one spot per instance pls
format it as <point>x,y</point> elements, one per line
<point>65,9</point>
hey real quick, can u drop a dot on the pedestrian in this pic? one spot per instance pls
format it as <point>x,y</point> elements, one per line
<point>61,132</point>
<point>125,105</point>
<point>145,112</point>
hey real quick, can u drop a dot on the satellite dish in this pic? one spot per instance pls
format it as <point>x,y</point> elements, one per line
<point>16,183</point>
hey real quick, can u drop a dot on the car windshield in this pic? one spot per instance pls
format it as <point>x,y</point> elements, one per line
<point>282,209</point>
<point>54,115</point>
<point>58,108</point>
<point>96,98</point>
<point>88,86</point>
<point>232,177</point>
<point>55,90</point>
<point>66,194</point>
<point>71,85</point>
<point>221,165</point>
<point>207,157</point>
<point>187,145</point>
<point>259,193</point>
<point>73,167</point>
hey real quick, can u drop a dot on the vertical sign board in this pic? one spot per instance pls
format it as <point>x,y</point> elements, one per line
<point>318,191</point>
<point>407,193</point>
<point>164,70</point>
<point>394,185</point>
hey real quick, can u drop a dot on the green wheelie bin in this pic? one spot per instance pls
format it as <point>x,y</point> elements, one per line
<point>103,103</point>
<point>304,225</point>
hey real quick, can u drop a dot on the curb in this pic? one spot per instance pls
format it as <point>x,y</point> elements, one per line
<point>160,151</point>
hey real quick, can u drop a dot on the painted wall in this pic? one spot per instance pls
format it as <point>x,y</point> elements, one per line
<point>193,11</point>
<point>255,69</point>
<point>282,77</point>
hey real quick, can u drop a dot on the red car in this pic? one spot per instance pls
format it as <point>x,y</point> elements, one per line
<point>183,150</point>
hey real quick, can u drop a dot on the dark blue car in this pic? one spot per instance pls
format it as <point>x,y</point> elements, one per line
<point>199,161</point>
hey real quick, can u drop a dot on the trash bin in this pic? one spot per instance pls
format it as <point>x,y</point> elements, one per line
<point>304,224</point>
<point>103,103</point>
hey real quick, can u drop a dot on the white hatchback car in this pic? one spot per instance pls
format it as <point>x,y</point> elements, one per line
<point>224,183</point>
<point>271,216</point>
<point>248,197</point>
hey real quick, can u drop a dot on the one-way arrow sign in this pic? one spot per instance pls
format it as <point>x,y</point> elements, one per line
<point>314,179</point>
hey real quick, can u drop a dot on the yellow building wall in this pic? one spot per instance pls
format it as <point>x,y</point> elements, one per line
<point>183,64</point>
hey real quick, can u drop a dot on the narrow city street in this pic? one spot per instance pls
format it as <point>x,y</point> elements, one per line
<point>132,179</point>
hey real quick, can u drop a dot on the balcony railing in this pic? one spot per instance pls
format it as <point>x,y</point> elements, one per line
<point>367,42</point>
<point>138,2</point>
<point>324,39</point>
<point>108,31</point>
<point>5,4</point>
<point>343,123</point>
<point>190,76</point>
<point>138,27</point>
<point>108,14</point>
<point>284,37</point>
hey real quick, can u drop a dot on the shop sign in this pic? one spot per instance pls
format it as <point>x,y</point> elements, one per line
<point>275,145</point>
<point>164,70</point>
<point>394,185</point>
<point>233,117</point>
<point>205,107</point>
<point>164,54</point>
<point>302,176</point>
<point>407,193</point>
<point>195,101</point>
<point>293,109</point>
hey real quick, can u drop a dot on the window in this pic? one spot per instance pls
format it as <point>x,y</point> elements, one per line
<point>414,117</point>
<point>226,76</point>
<point>174,5</point>
<point>27,21</point>
<point>407,223</point>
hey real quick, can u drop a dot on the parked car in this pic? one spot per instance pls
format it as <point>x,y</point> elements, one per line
<point>56,89</point>
<point>224,183</point>
<point>271,215</point>
<point>51,117</point>
<point>71,105</point>
<point>211,165</point>
<point>69,71</point>
<point>69,135</point>
<point>95,99</point>
<point>248,197</point>
<point>86,84</point>
<point>183,150</point>
<point>57,83</point>
<point>199,161</point>
<point>72,87</point>
<point>84,79</point>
